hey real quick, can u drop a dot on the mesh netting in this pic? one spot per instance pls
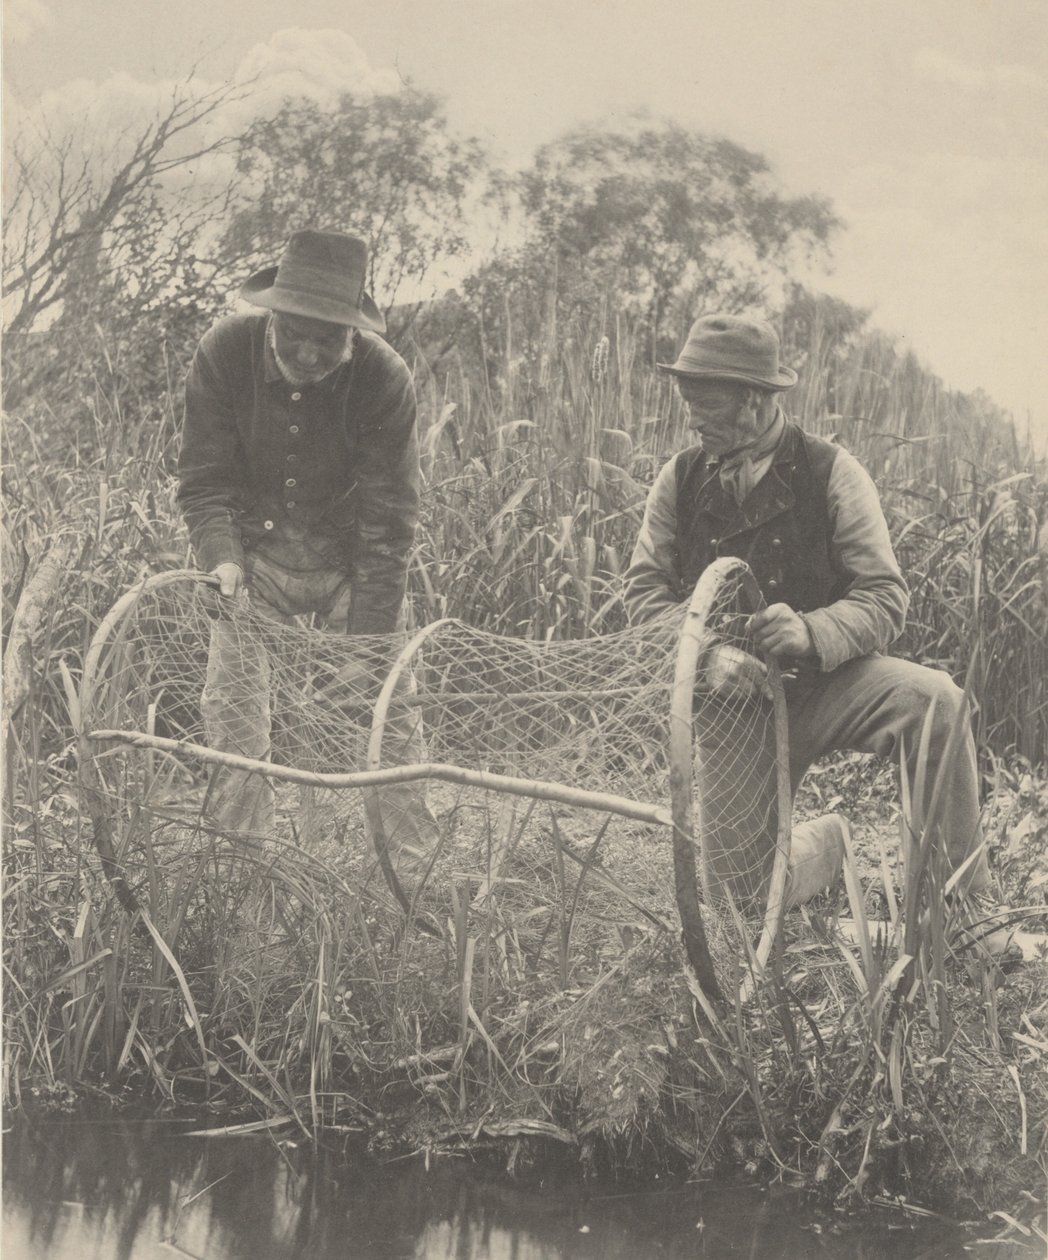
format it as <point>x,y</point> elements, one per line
<point>735,780</point>
<point>489,721</point>
<point>591,713</point>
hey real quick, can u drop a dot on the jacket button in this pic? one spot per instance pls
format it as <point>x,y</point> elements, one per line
<point>267,524</point>
<point>290,504</point>
<point>295,397</point>
<point>772,584</point>
<point>776,542</point>
<point>291,459</point>
<point>293,428</point>
<point>714,542</point>
<point>291,482</point>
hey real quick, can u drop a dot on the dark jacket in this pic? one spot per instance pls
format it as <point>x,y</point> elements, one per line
<point>335,462</point>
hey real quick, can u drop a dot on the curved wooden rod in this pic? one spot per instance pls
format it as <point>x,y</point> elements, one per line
<point>116,614</point>
<point>690,645</point>
<point>538,789</point>
<point>402,661</point>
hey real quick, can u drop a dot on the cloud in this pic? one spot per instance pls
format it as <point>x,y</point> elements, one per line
<point>318,65</point>
<point>940,67</point>
<point>103,119</point>
<point>23,18</point>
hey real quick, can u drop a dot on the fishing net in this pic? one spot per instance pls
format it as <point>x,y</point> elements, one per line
<point>512,748</point>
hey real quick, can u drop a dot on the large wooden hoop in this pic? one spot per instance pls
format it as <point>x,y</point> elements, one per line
<point>686,836</point>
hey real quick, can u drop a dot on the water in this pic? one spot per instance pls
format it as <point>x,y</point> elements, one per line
<point>139,1190</point>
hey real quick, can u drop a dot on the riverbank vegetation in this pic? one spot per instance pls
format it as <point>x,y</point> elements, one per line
<point>282,985</point>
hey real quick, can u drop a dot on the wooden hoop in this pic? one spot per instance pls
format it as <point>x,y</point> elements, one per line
<point>693,637</point>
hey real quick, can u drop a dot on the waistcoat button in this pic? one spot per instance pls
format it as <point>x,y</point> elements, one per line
<point>295,397</point>
<point>291,482</point>
<point>267,524</point>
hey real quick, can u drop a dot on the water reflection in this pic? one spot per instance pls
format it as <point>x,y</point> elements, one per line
<point>135,1190</point>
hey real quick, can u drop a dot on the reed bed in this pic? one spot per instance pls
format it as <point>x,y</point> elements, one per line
<point>286,988</point>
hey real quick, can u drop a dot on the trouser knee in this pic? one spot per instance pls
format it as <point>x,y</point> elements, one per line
<point>948,704</point>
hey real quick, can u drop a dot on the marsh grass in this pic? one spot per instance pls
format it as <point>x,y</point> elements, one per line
<point>548,1003</point>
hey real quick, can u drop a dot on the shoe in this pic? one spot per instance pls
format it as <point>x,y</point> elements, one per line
<point>816,857</point>
<point>980,929</point>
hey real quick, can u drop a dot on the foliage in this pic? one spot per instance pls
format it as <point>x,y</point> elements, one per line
<point>660,222</point>
<point>537,450</point>
<point>74,198</point>
<point>385,167</point>
<point>102,266</point>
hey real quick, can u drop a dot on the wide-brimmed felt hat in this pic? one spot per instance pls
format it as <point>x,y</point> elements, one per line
<point>733,348</point>
<point>320,276</point>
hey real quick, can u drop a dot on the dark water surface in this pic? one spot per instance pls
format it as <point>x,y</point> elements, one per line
<point>77,1189</point>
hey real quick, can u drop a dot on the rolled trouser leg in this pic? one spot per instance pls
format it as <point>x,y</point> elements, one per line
<point>236,709</point>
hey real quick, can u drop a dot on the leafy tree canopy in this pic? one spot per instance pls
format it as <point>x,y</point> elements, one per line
<point>384,167</point>
<point>661,221</point>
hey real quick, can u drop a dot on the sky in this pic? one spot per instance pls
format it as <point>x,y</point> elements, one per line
<point>924,121</point>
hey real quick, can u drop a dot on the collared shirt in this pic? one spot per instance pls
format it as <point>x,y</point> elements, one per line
<point>327,471</point>
<point>866,619</point>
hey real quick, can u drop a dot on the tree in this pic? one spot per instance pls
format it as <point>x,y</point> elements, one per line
<point>102,238</point>
<point>72,197</point>
<point>385,167</point>
<point>661,222</point>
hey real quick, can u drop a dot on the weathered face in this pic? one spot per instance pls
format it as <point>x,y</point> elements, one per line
<point>307,350</point>
<point>725,415</point>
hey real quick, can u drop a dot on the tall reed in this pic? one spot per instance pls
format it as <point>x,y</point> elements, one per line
<point>535,478</point>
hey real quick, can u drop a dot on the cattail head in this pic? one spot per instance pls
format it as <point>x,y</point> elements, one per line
<point>599,366</point>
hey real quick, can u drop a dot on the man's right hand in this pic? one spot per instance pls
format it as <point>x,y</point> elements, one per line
<point>729,671</point>
<point>230,579</point>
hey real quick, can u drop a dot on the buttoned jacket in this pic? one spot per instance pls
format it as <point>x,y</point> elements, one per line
<point>333,464</point>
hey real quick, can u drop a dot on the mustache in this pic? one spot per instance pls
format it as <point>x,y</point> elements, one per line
<point>293,376</point>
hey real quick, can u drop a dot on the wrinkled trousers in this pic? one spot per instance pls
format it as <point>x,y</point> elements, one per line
<point>236,708</point>
<point>873,704</point>
<point>878,704</point>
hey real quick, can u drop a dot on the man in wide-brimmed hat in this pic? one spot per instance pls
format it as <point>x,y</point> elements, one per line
<point>807,518</point>
<point>299,480</point>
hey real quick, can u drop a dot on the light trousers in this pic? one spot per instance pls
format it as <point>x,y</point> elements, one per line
<point>878,704</point>
<point>237,709</point>
<point>873,704</point>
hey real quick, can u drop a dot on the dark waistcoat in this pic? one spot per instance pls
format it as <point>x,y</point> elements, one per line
<point>782,530</point>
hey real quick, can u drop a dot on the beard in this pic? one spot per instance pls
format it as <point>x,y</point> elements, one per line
<point>295,376</point>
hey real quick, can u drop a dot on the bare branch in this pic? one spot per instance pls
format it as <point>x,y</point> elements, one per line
<point>63,203</point>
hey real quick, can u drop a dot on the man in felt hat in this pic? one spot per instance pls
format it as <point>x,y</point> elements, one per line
<point>299,481</point>
<point>806,517</point>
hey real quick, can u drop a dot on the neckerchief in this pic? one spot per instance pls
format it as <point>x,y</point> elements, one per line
<point>741,469</point>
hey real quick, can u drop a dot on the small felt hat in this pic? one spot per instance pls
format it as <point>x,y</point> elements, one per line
<point>320,276</point>
<point>733,348</point>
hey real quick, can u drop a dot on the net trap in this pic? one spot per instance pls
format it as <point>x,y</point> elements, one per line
<point>574,790</point>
